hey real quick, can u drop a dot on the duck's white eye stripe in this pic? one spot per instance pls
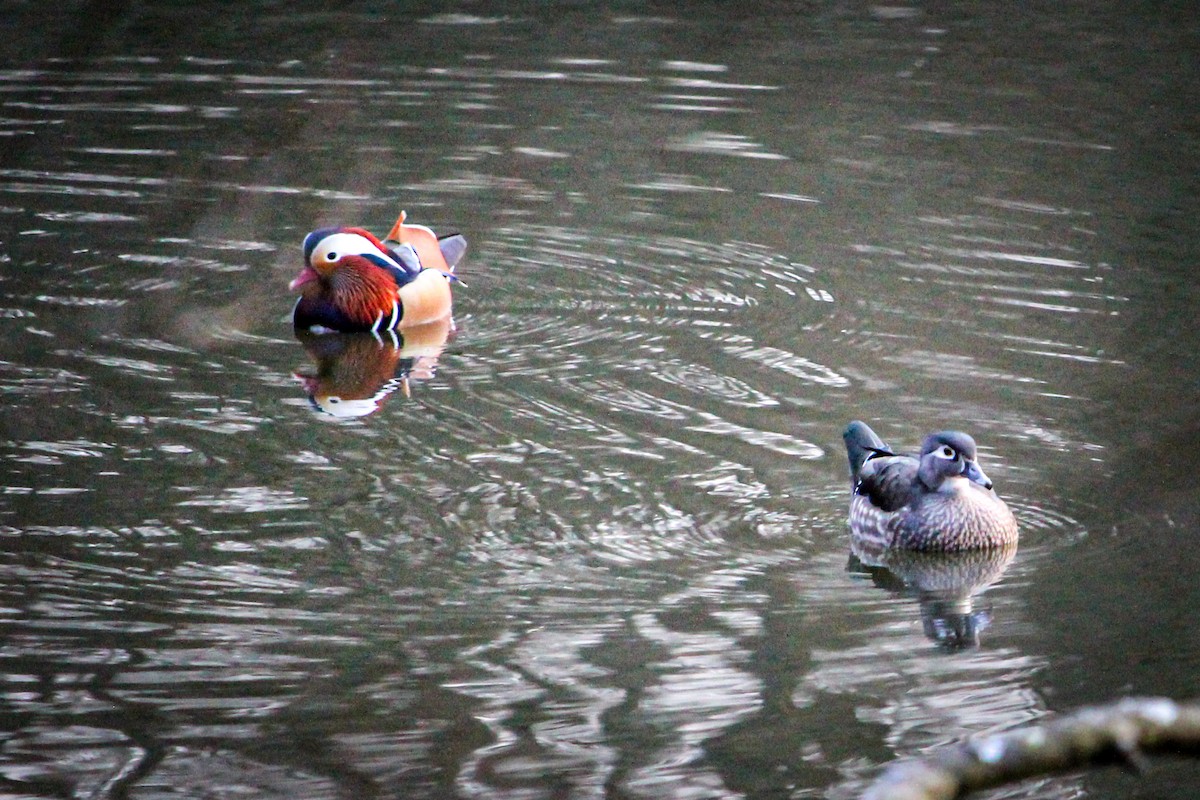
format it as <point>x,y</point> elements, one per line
<point>336,245</point>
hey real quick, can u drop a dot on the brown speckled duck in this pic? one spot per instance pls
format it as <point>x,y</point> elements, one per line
<point>940,501</point>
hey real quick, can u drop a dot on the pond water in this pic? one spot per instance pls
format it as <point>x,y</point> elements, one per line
<point>592,542</point>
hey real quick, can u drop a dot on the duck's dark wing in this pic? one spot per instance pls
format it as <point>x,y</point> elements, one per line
<point>888,481</point>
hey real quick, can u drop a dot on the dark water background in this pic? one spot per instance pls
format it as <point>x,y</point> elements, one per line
<point>602,551</point>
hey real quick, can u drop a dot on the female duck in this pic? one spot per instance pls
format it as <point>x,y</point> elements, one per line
<point>940,501</point>
<point>352,281</point>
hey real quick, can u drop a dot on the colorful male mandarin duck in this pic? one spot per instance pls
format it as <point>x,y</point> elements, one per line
<point>940,501</point>
<point>351,281</point>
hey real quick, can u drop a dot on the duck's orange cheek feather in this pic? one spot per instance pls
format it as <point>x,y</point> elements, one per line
<point>361,290</point>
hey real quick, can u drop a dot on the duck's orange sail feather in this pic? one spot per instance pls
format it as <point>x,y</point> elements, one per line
<point>421,239</point>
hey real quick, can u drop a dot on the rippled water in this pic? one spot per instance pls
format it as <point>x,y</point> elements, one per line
<point>591,542</point>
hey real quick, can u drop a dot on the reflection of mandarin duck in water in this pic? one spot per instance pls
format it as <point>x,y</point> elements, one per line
<point>940,501</point>
<point>356,372</point>
<point>945,585</point>
<point>352,281</point>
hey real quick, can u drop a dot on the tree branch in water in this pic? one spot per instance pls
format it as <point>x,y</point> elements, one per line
<point>1122,732</point>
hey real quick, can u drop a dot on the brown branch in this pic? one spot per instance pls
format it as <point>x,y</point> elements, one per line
<point>1118,733</point>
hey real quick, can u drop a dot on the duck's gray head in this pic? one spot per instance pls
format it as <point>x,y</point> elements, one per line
<point>949,454</point>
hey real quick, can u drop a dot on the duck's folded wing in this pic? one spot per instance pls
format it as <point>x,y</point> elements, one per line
<point>888,481</point>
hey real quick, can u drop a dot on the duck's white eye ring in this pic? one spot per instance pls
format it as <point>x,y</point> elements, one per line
<point>945,451</point>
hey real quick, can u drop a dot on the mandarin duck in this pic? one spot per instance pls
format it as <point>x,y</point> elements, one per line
<point>939,501</point>
<point>352,281</point>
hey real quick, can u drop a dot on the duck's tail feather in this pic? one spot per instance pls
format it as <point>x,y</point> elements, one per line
<point>862,444</point>
<point>453,247</point>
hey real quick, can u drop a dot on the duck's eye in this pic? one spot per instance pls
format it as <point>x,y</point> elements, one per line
<point>331,257</point>
<point>946,451</point>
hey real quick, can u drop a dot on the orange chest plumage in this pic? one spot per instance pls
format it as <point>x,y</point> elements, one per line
<point>363,291</point>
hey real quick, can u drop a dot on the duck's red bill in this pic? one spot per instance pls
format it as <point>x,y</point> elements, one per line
<point>307,275</point>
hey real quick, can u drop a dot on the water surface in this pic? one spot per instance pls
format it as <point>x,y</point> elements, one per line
<point>591,542</point>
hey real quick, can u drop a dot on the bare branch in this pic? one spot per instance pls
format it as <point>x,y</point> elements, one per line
<point>1118,733</point>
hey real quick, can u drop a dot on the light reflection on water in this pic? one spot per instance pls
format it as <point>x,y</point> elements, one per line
<point>594,543</point>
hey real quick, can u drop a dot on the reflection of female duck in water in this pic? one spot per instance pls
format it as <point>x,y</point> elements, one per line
<point>945,585</point>
<point>356,372</point>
